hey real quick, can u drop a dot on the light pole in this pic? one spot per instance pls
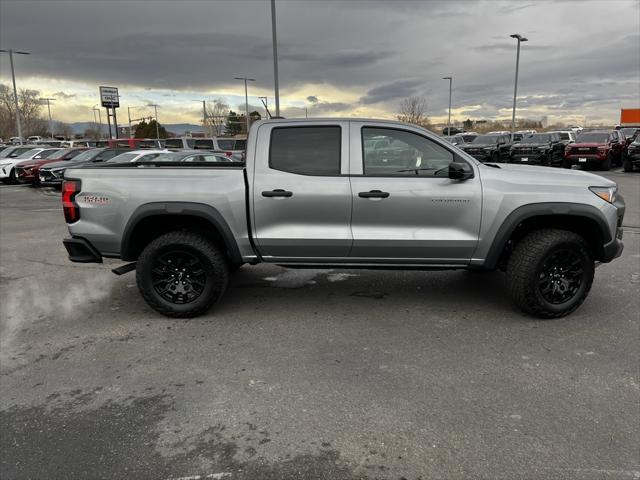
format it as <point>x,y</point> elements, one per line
<point>246,97</point>
<point>274,38</point>
<point>204,115</point>
<point>48,100</point>
<point>449,120</point>
<point>15,90</point>
<point>129,118</point>
<point>520,39</point>
<point>155,108</point>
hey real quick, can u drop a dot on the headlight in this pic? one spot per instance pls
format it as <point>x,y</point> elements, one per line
<point>608,194</point>
<point>542,148</point>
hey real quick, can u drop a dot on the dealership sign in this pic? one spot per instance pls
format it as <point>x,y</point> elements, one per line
<point>109,97</point>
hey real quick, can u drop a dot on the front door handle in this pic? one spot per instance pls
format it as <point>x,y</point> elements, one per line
<point>373,194</point>
<point>278,192</point>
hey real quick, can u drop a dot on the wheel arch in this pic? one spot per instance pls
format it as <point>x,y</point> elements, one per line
<point>151,220</point>
<point>585,220</point>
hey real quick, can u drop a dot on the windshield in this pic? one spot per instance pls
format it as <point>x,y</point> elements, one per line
<point>539,138</point>
<point>28,153</point>
<point>628,132</point>
<point>19,151</point>
<point>565,136</point>
<point>592,137</point>
<point>170,157</point>
<point>123,158</point>
<point>486,139</point>
<point>88,155</point>
<point>173,143</point>
<point>232,144</point>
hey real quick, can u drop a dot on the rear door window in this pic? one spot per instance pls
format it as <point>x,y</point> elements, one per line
<point>203,144</point>
<point>306,150</point>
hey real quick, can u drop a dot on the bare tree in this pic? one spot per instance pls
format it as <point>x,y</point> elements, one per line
<point>64,129</point>
<point>414,110</point>
<point>93,132</point>
<point>30,112</point>
<point>217,112</point>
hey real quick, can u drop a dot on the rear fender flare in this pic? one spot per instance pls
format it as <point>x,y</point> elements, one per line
<point>201,210</point>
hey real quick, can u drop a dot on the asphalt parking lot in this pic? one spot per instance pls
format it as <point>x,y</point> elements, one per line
<point>332,374</point>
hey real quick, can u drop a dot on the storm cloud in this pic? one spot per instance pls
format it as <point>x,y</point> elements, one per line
<point>343,57</point>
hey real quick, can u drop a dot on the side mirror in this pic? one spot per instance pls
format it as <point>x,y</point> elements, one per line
<point>457,171</point>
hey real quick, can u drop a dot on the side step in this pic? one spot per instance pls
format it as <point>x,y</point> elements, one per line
<point>121,270</point>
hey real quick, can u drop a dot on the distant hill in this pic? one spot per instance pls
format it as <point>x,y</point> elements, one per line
<point>176,128</point>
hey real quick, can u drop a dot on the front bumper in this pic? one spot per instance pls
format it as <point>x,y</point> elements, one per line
<point>25,175</point>
<point>81,250</point>
<point>588,158</point>
<point>49,177</point>
<point>481,156</point>
<point>614,248</point>
<point>5,172</point>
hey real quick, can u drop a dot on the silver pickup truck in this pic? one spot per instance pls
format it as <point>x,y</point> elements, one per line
<point>344,193</point>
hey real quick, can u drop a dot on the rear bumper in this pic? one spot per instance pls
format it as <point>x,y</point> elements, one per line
<point>81,250</point>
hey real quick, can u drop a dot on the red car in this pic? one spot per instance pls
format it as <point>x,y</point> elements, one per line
<point>595,149</point>
<point>27,171</point>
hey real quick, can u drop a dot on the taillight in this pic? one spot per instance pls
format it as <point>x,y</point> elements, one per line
<point>70,188</point>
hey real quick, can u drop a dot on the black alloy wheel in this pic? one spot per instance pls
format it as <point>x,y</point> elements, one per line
<point>178,276</point>
<point>561,276</point>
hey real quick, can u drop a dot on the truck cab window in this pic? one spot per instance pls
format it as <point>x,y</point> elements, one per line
<point>404,154</point>
<point>306,150</point>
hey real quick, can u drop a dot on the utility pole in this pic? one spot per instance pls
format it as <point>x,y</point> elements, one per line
<point>449,120</point>
<point>274,38</point>
<point>155,108</point>
<point>129,118</point>
<point>204,116</point>
<point>306,112</point>
<point>246,98</point>
<point>48,100</point>
<point>520,39</point>
<point>15,90</point>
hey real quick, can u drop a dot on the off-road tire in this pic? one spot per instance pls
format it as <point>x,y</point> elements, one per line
<point>525,266</point>
<point>495,157</point>
<point>627,165</point>
<point>566,163</point>
<point>606,165</point>
<point>211,260</point>
<point>12,177</point>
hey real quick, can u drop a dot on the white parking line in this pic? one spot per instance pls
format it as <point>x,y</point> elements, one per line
<point>210,476</point>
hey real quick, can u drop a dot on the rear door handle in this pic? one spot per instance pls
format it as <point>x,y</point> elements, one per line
<point>374,194</point>
<point>278,192</point>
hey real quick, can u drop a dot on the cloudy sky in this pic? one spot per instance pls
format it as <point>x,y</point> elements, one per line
<point>337,58</point>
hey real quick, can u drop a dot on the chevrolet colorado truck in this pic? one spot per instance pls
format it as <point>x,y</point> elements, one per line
<point>313,194</point>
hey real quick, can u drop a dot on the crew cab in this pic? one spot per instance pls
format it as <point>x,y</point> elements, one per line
<point>539,148</point>
<point>490,147</point>
<point>311,195</point>
<point>595,148</point>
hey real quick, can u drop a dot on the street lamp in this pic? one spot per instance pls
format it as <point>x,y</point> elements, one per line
<point>274,39</point>
<point>15,90</point>
<point>48,100</point>
<point>520,39</point>
<point>246,97</point>
<point>449,120</point>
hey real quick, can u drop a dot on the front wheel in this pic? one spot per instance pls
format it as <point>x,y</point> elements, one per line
<point>627,165</point>
<point>566,163</point>
<point>182,274</point>
<point>606,165</point>
<point>550,273</point>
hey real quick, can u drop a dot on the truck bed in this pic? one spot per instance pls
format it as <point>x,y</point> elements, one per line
<point>113,196</point>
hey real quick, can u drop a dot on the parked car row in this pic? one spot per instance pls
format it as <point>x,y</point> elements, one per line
<point>38,164</point>
<point>599,149</point>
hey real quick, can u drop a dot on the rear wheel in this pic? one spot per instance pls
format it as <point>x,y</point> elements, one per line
<point>12,177</point>
<point>606,165</point>
<point>566,163</point>
<point>550,273</point>
<point>182,274</point>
